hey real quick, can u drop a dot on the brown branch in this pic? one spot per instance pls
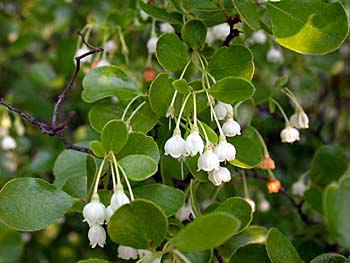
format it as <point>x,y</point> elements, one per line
<point>233,32</point>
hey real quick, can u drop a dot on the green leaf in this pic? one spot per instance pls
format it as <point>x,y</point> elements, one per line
<point>336,210</point>
<point>171,52</point>
<point>181,85</point>
<point>308,26</point>
<point>68,164</point>
<point>280,249</point>
<point>93,260</point>
<point>249,152</point>
<point>138,167</point>
<point>199,256</point>
<point>134,225</point>
<point>100,114</point>
<point>76,186</point>
<point>248,11</point>
<point>122,18</point>
<point>168,198</point>
<point>232,89</point>
<point>328,164</point>
<point>114,135</point>
<point>239,208</point>
<point>329,258</point>
<point>108,81</point>
<point>233,61</point>
<point>252,253</point>
<point>282,81</point>
<point>194,33</point>
<point>212,136</point>
<point>206,232</point>
<point>161,93</point>
<point>91,168</point>
<point>250,235</point>
<point>97,148</point>
<point>160,14</point>
<point>11,245</point>
<point>314,198</point>
<point>144,120</point>
<point>29,204</point>
<point>139,143</point>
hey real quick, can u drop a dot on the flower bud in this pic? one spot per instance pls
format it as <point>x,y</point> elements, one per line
<point>148,257</point>
<point>8,143</point>
<point>290,134</point>
<point>274,55</point>
<point>208,161</point>
<point>299,120</point>
<point>94,212</point>
<point>267,163</point>
<point>149,74</point>
<point>231,128</point>
<point>220,110</point>
<point>166,28</point>
<point>221,31</point>
<point>225,151</point>
<point>125,252</point>
<point>80,52</point>
<point>264,206</point>
<point>97,236</point>
<point>274,186</point>
<point>185,212</point>
<point>144,15</point>
<point>175,146</point>
<point>194,143</point>
<point>251,203</point>
<point>299,188</point>
<point>152,44</point>
<point>119,198</point>
<point>259,37</point>
<point>102,62</point>
<point>219,176</point>
<point>110,46</point>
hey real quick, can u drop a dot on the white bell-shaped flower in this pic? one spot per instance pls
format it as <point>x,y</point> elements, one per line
<point>290,134</point>
<point>225,151</point>
<point>119,198</point>
<point>82,51</point>
<point>125,252</point>
<point>208,161</point>
<point>220,110</point>
<point>97,236</point>
<point>185,212</point>
<point>108,213</point>
<point>110,46</point>
<point>8,143</point>
<point>299,120</point>
<point>264,206</point>
<point>259,37</point>
<point>221,31</point>
<point>210,39</point>
<point>299,188</point>
<point>94,212</point>
<point>152,44</point>
<point>194,143</point>
<point>274,55</point>
<point>176,145</point>
<point>231,128</point>
<point>102,62</point>
<point>219,176</point>
<point>144,15</point>
<point>166,28</point>
<point>146,256</point>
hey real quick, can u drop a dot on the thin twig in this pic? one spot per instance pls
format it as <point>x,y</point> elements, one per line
<point>218,256</point>
<point>233,31</point>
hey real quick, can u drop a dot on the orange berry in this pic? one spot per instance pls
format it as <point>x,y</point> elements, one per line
<point>274,186</point>
<point>267,163</point>
<point>149,74</point>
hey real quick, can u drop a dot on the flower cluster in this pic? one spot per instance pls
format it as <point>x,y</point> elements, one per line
<point>299,120</point>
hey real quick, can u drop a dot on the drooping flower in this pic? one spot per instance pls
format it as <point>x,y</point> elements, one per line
<point>299,120</point>
<point>97,236</point>
<point>166,28</point>
<point>119,198</point>
<point>208,161</point>
<point>176,145</point>
<point>299,188</point>
<point>274,186</point>
<point>231,128</point>
<point>152,44</point>
<point>102,62</point>
<point>125,252</point>
<point>8,143</point>
<point>194,143</point>
<point>290,134</point>
<point>225,151</point>
<point>267,163</point>
<point>264,206</point>
<point>94,212</point>
<point>219,176</point>
<point>110,46</point>
<point>274,55</point>
<point>221,31</point>
<point>220,110</point>
<point>80,52</point>
<point>148,257</point>
<point>185,212</point>
<point>259,37</point>
<point>108,214</point>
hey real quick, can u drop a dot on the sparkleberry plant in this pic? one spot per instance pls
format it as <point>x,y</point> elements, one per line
<point>174,146</point>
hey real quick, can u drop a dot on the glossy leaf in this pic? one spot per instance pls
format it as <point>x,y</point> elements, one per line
<point>76,186</point>
<point>232,89</point>
<point>144,120</point>
<point>171,52</point>
<point>181,85</point>
<point>206,232</point>
<point>280,249</point>
<point>29,204</point>
<point>251,253</point>
<point>107,81</point>
<point>161,93</point>
<point>133,225</point>
<point>100,114</point>
<point>114,135</point>
<point>308,26</point>
<point>199,256</point>
<point>138,167</point>
<point>97,148</point>
<point>93,260</point>
<point>248,11</point>
<point>159,13</point>
<point>329,258</point>
<point>233,61</point>
<point>168,198</point>
<point>194,33</point>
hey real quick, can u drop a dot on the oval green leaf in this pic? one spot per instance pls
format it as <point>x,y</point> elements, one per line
<point>114,135</point>
<point>29,204</point>
<point>206,232</point>
<point>194,33</point>
<point>138,167</point>
<point>233,61</point>
<point>329,258</point>
<point>160,14</point>
<point>251,253</point>
<point>100,114</point>
<point>248,11</point>
<point>308,26</point>
<point>168,198</point>
<point>232,89</point>
<point>161,93</point>
<point>108,81</point>
<point>171,52</point>
<point>144,120</point>
<point>133,225</point>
